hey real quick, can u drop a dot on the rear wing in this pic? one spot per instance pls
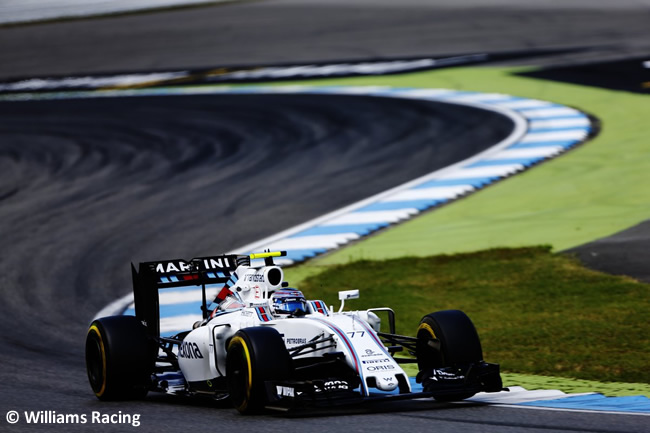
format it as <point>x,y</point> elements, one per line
<point>151,277</point>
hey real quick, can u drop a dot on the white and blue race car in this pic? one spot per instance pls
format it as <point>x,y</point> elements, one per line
<point>263,345</point>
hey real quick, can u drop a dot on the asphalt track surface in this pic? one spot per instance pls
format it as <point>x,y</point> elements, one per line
<point>279,31</point>
<point>623,253</point>
<point>92,185</point>
<point>97,183</point>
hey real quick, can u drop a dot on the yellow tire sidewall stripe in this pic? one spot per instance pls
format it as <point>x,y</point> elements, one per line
<point>95,329</point>
<point>242,342</point>
<point>427,327</point>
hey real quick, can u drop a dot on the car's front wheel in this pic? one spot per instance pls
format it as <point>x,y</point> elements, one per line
<point>445,339</point>
<point>255,355</point>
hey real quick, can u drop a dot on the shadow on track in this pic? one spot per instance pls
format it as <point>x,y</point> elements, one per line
<point>91,185</point>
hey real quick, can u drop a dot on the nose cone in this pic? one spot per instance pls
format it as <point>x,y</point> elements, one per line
<point>386,383</point>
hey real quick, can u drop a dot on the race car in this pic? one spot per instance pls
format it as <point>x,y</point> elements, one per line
<point>263,345</point>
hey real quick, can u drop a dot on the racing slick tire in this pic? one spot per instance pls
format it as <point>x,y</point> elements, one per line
<point>118,358</point>
<point>255,355</point>
<point>447,338</point>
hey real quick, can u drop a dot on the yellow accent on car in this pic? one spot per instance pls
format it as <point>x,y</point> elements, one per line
<point>250,370</point>
<point>103,350</point>
<point>267,254</point>
<point>428,328</point>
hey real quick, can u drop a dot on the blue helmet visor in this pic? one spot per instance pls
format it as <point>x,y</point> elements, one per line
<point>290,306</point>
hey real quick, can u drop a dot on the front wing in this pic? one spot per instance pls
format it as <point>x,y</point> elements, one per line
<point>449,383</point>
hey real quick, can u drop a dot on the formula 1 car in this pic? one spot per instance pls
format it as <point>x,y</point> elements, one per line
<point>263,345</point>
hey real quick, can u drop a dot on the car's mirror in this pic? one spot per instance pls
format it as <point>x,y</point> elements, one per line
<point>347,294</point>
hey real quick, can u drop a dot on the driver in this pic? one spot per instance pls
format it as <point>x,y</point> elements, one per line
<point>289,301</point>
<point>232,301</point>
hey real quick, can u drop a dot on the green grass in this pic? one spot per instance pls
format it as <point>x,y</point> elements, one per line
<point>591,326</point>
<point>591,192</point>
<point>537,312</point>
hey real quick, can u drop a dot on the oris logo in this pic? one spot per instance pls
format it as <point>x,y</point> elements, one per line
<point>380,367</point>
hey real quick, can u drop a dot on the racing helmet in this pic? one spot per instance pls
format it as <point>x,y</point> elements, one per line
<point>289,301</point>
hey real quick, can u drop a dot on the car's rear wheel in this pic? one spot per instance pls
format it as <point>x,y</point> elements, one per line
<point>118,358</point>
<point>255,355</point>
<point>445,339</point>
